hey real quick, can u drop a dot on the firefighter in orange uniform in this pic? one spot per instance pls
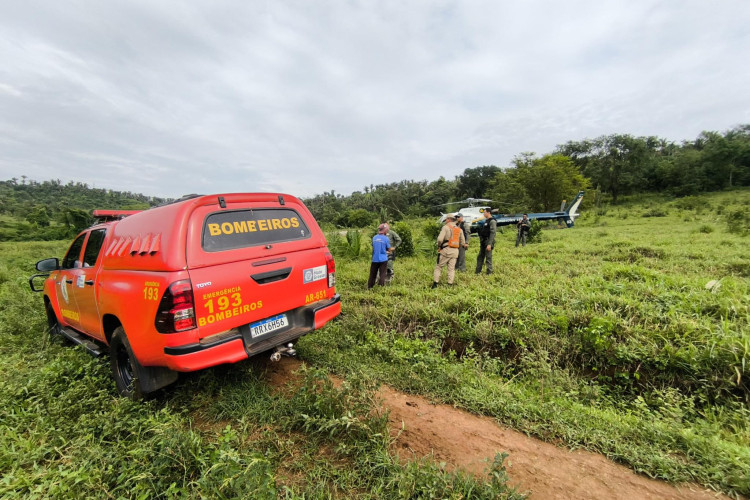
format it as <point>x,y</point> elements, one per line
<point>450,239</point>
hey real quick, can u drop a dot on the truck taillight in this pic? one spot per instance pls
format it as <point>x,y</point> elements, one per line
<point>331,270</point>
<point>176,312</point>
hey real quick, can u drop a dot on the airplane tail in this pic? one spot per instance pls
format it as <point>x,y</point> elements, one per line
<point>570,213</point>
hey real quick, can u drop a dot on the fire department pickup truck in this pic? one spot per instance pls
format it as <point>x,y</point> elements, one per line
<point>193,284</point>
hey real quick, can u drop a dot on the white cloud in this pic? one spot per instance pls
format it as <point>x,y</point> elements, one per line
<point>167,98</point>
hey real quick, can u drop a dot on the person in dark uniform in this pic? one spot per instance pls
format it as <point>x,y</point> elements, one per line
<point>486,242</point>
<point>466,227</point>
<point>395,243</point>
<point>524,226</point>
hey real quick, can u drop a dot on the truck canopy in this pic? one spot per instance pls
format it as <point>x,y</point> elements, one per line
<point>211,230</point>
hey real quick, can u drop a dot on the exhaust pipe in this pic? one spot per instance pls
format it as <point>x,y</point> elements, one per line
<point>286,351</point>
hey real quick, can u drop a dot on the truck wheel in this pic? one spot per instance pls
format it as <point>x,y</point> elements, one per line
<point>53,325</point>
<point>125,367</point>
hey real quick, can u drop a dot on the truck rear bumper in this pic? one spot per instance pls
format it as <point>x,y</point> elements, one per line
<point>237,346</point>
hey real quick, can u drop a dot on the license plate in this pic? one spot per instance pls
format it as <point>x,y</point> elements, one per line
<point>268,325</point>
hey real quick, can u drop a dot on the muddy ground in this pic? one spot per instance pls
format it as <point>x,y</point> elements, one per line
<point>469,442</point>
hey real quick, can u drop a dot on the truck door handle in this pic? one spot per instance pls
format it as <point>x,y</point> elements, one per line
<point>69,282</point>
<point>271,276</point>
<point>89,282</point>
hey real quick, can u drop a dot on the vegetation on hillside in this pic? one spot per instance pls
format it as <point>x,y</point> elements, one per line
<point>609,167</point>
<point>612,166</point>
<point>51,210</point>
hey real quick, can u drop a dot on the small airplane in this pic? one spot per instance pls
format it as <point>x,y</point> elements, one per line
<point>568,216</point>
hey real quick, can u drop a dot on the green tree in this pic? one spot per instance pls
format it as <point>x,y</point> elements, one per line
<point>507,193</point>
<point>537,184</point>
<point>76,219</point>
<point>617,164</point>
<point>438,193</point>
<point>326,207</point>
<point>360,218</point>
<point>39,216</point>
<point>549,180</point>
<point>474,182</point>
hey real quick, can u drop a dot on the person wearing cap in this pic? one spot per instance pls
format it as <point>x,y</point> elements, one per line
<point>466,228</point>
<point>381,245</point>
<point>486,242</point>
<point>450,239</point>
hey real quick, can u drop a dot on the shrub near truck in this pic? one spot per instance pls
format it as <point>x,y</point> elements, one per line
<point>197,283</point>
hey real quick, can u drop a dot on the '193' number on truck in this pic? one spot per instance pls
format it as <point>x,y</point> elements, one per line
<point>150,293</point>
<point>223,303</point>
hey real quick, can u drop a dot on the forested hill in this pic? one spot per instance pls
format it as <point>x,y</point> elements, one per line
<point>49,210</point>
<point>607,167</point>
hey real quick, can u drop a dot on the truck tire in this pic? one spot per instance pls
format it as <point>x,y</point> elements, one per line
<point>132,379</point>
<point>53,325</point>
<point>125,367</point>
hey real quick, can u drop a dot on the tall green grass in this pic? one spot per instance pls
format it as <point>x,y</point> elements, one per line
<point>221,433</point>
<point>627,335</point>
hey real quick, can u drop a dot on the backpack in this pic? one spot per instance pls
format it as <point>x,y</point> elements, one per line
<point>455,240</point>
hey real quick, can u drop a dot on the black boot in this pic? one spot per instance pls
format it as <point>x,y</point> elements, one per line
<point>434,284</point>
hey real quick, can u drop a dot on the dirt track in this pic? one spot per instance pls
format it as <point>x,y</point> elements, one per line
<point>466,441</point>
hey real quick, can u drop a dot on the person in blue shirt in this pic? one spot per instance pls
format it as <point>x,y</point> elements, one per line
<point>381,245</point>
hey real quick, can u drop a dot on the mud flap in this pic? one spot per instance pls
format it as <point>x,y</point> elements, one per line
<point>153,378</point>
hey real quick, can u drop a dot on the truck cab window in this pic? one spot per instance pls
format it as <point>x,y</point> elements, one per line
<point>93,247</point>
<point>71,258</point>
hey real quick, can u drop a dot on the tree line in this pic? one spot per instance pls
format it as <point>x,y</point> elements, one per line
<point>51,210</point>
<point>613,165</point>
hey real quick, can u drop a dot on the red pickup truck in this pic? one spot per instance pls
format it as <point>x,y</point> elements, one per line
<point>200,282</point>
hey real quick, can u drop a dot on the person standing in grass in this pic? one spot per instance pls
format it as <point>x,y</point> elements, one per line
<point>395,240</point>
<point>381,245</point>
<point>486,242</point>
<point>466,228</point>
<point>524,226</point>
<point>450,239</point>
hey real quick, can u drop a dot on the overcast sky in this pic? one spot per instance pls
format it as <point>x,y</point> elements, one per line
<point>173,97</point>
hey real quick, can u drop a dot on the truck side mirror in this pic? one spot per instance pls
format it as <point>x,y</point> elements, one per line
<point>47,265</point>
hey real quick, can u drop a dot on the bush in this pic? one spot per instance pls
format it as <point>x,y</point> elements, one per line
<point>738,221</point>
<point>407,243</point>
<point>349,247</point>
<point>689,203</point>
<point>535,232</point>
<point>359,218</point>
<point>655,212</point>
<point>431,229</point>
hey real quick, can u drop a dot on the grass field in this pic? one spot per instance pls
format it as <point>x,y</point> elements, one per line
<point>603,337</point>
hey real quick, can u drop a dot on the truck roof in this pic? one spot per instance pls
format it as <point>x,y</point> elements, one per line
<point>158,238</point>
